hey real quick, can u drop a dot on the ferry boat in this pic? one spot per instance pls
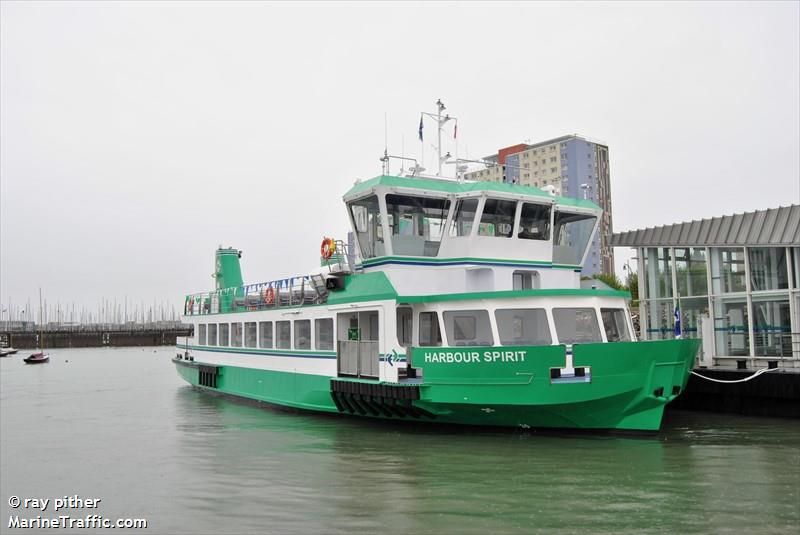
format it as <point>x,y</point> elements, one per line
<point>456,302</point>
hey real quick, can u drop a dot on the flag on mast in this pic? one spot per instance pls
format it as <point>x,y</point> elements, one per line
<point>420,127</point>
<point>455,131</point>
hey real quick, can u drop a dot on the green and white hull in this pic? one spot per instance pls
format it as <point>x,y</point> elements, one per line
<point>627,386</point>
<point>490,327</point>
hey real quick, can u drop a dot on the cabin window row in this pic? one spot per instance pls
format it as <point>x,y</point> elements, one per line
<point>268,334</point>
<point>515,326</point>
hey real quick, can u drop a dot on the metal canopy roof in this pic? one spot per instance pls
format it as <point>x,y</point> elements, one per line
<point>776,226</point>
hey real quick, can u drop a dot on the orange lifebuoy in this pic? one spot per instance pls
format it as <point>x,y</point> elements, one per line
<point>269,295</point>
<point>327,248</point>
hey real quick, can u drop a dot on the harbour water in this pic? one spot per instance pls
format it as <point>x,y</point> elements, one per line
<point>117,424</point>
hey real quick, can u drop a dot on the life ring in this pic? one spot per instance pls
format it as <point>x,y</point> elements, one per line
<point>269,295</point>
<point>327,248</point>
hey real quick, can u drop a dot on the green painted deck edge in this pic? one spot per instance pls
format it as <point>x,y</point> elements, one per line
<point>446,186</point>
<point>576,292</point>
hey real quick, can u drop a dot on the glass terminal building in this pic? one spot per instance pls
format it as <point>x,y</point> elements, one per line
<point>735,281</point>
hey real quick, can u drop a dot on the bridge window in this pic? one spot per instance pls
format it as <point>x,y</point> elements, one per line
<point>212,334</point>
<point>323,332</point>
<point>571,236</point>
<point>429,333</point>
<point>284,334</point>
<point>250,332</point>
<point>416,224</point>
<point>534,222</point>
<point>404,325</point>
<point>521,326</point>
<point>468,328</point>
<point>302,334</point>
<point>236,334</point>
<point>497,218</point>
<point>464,217</point>
<point>265,334</point>
<point>201,334</point>
<point>615,324</point>
<point>367,223</point>
<point>576,325</point>
<point>224,334</point>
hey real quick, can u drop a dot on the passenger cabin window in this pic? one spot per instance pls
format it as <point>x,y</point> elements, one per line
<point>250,332</point>
<point>468,328</point>
<point>464,217</point>
<point>265,334</point>
<point>236,334</point>
<point>302,334</point>
<point>201,334</point>
<point>615,324</point>
<point>283,334</point>
<point>523,327</point>
<point>576,325</point>
<point>416,224</point>
<point>429,333</point>
<point>534,222</point>
<point>212,334</point>
<point>525,280</point>
<point>404,323</point>
<point>571,236</point>
<point>224,334</point>
<point>323,333</point>
<point>367,223</point>
<point>497,218</point>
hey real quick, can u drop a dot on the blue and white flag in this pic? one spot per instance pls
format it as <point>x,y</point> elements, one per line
<point>420,127</point>
<point>677,322</point>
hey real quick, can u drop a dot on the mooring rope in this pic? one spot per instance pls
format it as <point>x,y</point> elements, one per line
<point>759,372</point>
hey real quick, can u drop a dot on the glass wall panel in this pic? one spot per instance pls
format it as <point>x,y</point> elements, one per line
<point>691,271</point>
<point>323,332</point>
<point>497,218</point>
<point>523,327</point>
<point>691,308</point>
<point>416,224</point>
<point>768,269</point>
<point>576,325</point>
<point>571,234</point>
<point>250,334</point>
<point>534,222</point>
<point>464,217</point>
<point>367,223</point>
<point>658,272</point>
<point>731,326</point>
<point>727,270</point>
<point>201,334</point>
<point>265,334</point>
<point>660,319</point>
<point>468,328</point>
<point>772,327</point>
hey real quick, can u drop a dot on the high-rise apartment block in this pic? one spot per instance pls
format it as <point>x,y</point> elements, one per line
<point>571,166</point>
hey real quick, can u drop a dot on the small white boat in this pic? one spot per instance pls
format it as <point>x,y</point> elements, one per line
<point>7,351</point>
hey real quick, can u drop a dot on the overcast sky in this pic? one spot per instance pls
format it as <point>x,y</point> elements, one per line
<point>137,137</point>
